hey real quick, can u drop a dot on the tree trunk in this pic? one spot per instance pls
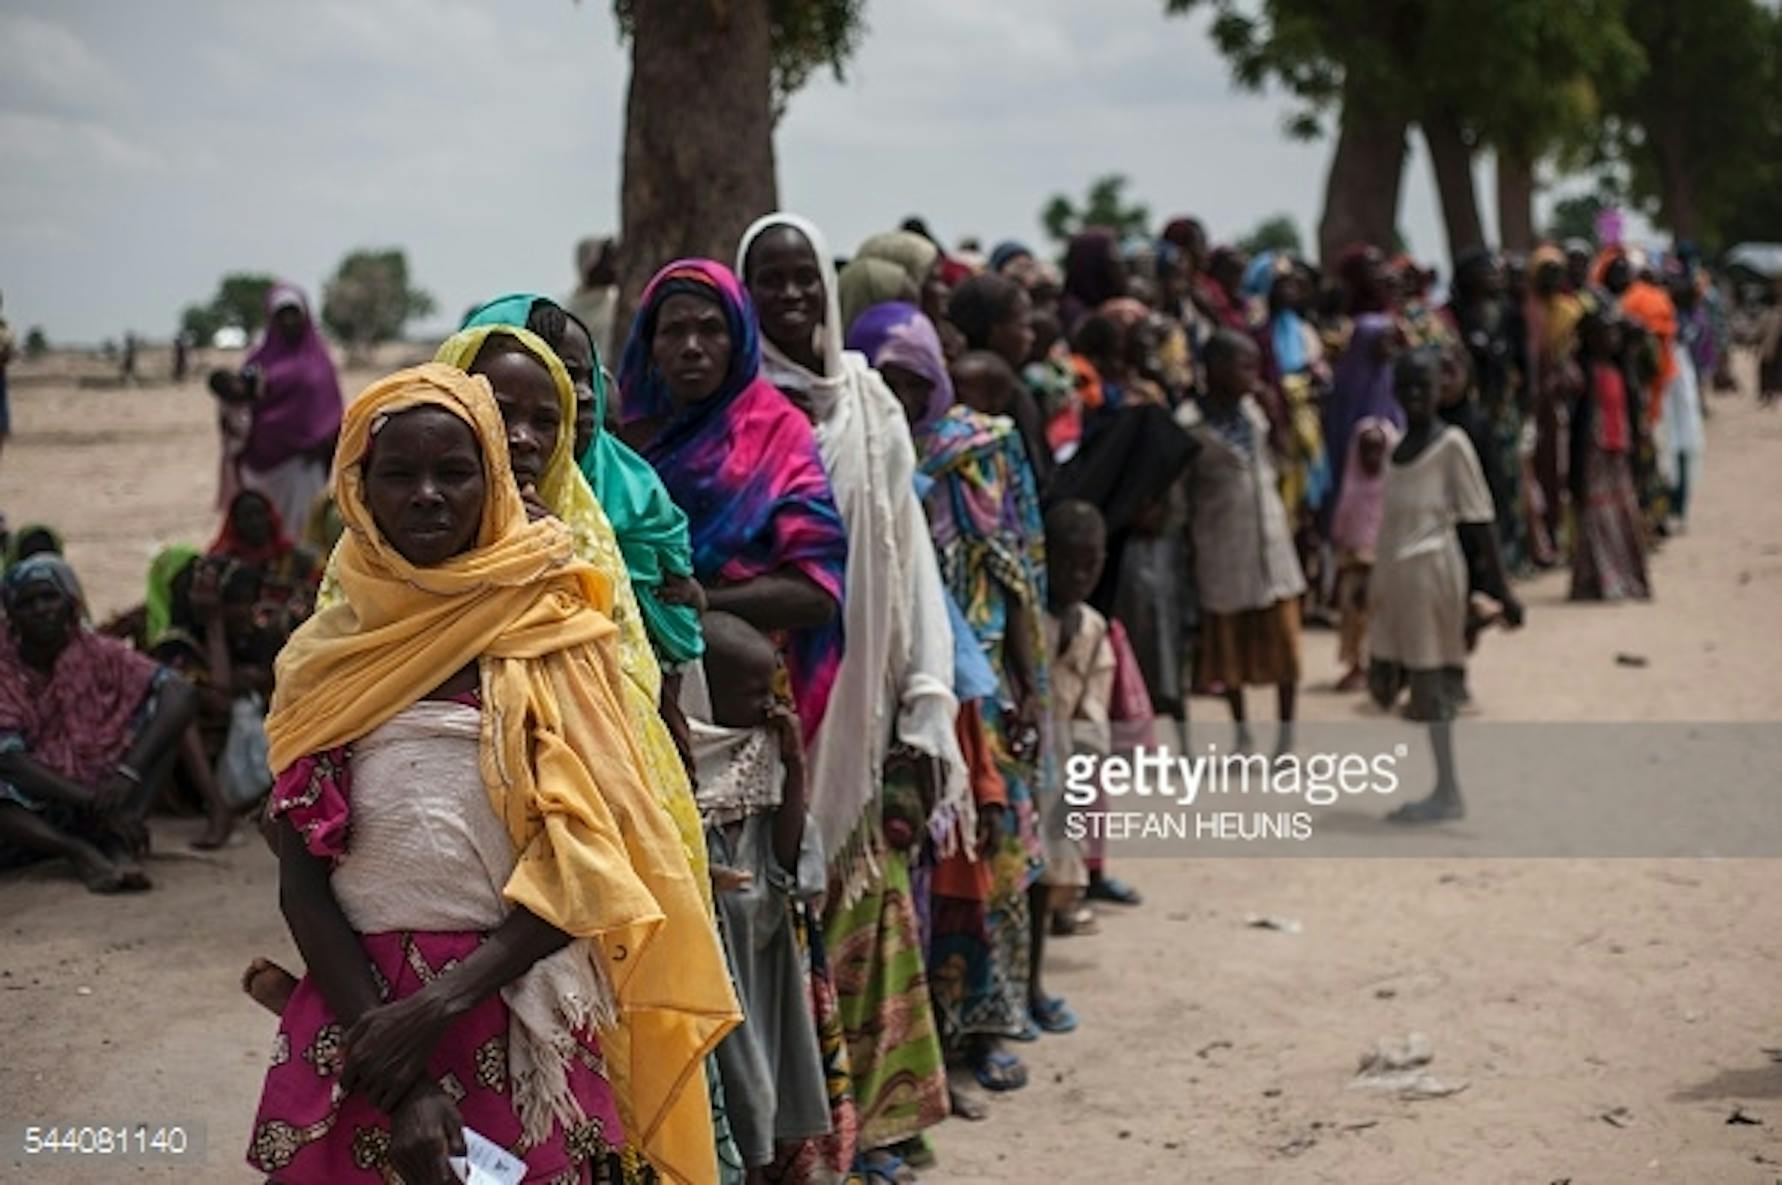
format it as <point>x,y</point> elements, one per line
<point>1361,190</point>
<point>1452,159</point>
<point>698,137</point>
<point>1515,202</point>
<point>1670,153</point>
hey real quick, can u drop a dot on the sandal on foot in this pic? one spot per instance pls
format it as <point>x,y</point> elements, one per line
<point>1000,1072</point>
<point>1027,1034</point>
<point>1109,888</point>
<point>882,1165</point>
<point>916,1152</point>
<point>1053,1015</point>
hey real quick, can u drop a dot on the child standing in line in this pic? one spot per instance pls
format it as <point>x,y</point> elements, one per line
<point>1353,530</point>
<point>1246,569</point>
<point>1435,507</point>
<point>1082,686</point>
<point>765,861</point>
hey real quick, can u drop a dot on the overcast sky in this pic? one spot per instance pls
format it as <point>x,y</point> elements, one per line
<point>149,148</point>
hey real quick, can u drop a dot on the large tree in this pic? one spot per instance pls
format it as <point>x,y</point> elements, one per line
<point>1524,77</point>
<point>709,79</point>
<point>1351,59</point>
<point>1698,131</point>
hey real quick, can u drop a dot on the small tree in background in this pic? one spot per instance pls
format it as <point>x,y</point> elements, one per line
<point>369,299</point>
<point>239,302</point>
<point>36,344</point>
<point>1575,217</point>
<point>1104,207</point>
<point>1273,234</point>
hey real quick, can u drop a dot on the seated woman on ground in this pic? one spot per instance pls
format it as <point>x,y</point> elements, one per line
<point>88,728</point>
<point>496,916</point>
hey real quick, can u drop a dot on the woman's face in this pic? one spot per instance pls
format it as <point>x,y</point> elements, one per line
<point>530,407</point>
<point>911,389</point>
<point>42,615</point>
<point>1012,337</point>
<point>691,347</point>
<point>577,353</point>
<point>290,323</point>
<point>424,485</point>
<point>786,283</point>
<point>252,519</point>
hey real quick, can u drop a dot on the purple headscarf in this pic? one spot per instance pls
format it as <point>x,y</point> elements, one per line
<point>899,334</point>
<point>298,411</point>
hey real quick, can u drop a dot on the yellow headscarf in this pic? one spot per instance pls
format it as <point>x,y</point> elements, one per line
<point>597,858</point>
<point>565,491</point>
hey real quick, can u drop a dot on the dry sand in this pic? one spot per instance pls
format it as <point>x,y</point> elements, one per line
<point>1608,1016</point>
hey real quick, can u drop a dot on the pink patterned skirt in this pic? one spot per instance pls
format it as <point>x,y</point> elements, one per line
<point>302,1135</point>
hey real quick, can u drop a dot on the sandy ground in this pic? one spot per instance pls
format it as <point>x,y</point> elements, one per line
<point>1608,1017</point>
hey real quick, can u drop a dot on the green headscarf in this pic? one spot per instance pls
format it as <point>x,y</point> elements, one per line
<point>651,529</point>
<point>868,282</point>
<point>168,563</point>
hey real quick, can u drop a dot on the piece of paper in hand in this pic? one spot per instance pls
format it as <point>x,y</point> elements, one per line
<point>486,1162</point>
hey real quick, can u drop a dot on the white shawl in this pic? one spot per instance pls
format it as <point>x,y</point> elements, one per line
<point>428,853</point>
<point>899,638</point>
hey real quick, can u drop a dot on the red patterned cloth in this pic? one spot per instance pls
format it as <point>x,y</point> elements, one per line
<point>303,1133</point>
<point>79,719</point>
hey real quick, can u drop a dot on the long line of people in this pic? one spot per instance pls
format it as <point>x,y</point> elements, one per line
<point>669,786</point>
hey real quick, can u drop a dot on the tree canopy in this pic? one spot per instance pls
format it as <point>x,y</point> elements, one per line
<point>1104,206</point>
<point>808,36</point>
<point>1278,233</point>
<point>369,300</point>
<point>239,303</point>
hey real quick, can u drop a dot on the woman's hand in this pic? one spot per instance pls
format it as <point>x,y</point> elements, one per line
<point>425,1130</point>
<point>682,590</point>
<point>989,828</point>
<point>535,507</point>
<point>388,1049</point>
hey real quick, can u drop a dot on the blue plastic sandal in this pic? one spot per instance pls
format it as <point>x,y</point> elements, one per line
<point>1054,1015</point>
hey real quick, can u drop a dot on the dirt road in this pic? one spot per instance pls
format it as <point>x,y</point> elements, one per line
<point>1607,1017</point>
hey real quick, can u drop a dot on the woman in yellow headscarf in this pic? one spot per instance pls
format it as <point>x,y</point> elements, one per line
<point>537,402</point>
<point>512,886</point>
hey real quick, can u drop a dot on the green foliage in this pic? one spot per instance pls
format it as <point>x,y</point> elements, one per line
<point>1705,118</point>
<point>36,344</point>
<point>1104,206</point>
<point>1574,217</point>
<point>1273,234</point>
<point>808,35</point>
<point>239,301</point>
<point>369,299</point>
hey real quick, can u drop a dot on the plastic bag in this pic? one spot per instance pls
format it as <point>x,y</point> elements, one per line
<point>243,773</point>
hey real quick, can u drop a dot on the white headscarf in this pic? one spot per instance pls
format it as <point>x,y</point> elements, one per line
<point>899,649</point>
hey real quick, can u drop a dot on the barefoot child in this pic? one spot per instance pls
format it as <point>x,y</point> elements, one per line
<point>752,796</point>
<point>1246,568</point>
<point>1354,529</point>
<point>1436,501</point>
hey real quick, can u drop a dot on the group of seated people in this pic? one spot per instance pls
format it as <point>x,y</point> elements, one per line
<point>156,708</point>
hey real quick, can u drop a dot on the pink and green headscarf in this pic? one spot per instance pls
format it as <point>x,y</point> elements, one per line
<point>744,466</point>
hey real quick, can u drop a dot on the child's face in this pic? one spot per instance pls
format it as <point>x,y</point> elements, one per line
<point>742,693</point>
<point>1235,374</point>
<point>1073,567</point>
<point>986,391</point>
